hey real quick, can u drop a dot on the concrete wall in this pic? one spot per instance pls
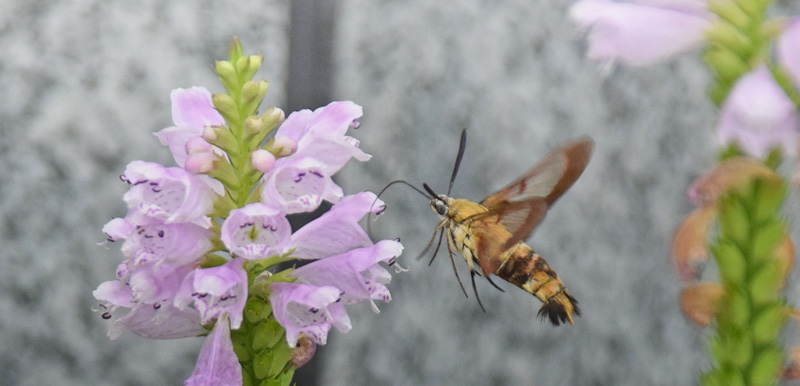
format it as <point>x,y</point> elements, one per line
<point>85,83</point>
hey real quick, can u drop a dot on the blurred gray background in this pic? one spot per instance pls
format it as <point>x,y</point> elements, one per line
<point>85,84</point>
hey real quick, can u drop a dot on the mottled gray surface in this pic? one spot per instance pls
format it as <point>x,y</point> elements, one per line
<point>87,82</point>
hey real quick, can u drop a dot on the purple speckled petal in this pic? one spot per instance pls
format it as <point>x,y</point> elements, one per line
<point>216,291</point>
<point>169,194</point>
<point>158,321</point>
<point>299,185</point>
<point>758,115</point>
<point>354,273</point>
<point>173,243</point>
<point>337,231</point>
<point>218,364</point>
<point>256,231</point>
<point>307,309</point>
<point>155,283</point>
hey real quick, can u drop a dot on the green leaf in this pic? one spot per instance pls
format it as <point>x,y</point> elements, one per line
<point>282,355</point>
<point>262,363</point>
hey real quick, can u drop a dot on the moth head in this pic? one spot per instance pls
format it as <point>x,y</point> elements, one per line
<point>439,204</point>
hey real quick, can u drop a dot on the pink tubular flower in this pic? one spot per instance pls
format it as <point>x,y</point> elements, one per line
<point>308,309</point>
<point>789,49</point>
<point>641,33</point>
<point>218,364</point>
<point>156,241</point>
<point>168,194</point>
<point>321,134</point>
<point>299,185</point>
<point>758,115</point>
<point>256,231</point>
<point>192,111</point>
<point>215,291</point>
<point>337,231</point>
<point>356,273</point>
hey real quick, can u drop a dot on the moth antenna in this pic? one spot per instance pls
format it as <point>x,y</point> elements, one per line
<point>460,155</point>
<point>369,214</point>
<point>428,188</point>
<point>450,252</point>
<point>475,289</point>
<point>495,285</point>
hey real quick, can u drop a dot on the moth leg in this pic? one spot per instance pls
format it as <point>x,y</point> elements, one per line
<point>450,252</point>
<point>439,244</point>
<point>475,289</point>
<point>495,285</point>
<point>428,247</point>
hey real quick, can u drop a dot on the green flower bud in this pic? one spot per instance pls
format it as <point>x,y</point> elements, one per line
<point>734,220</point>
<point>726,36</point>
<point>227,75</point>
<point>235,50</point>
<point>273,117</point>
<point>739,310</point>
<point>247,66</point>
<point>771,194</point>
<point>767,325</point>
<point>765,240</point>
<point>727,65</point>
<point>225,173</point>
<point>763,287</point>
<point>267,334</point>
<point>256,310</point>
<point>223,138</point>
<point>731,262</point>
<point>730,12</point>
<point>227,107</point>
<point>766,367</point>
<point>252,95</point>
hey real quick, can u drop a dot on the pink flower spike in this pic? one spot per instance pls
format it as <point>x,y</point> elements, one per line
<point>307,309</point>
<point>789,49</point>
<point>299,185</point>
<point>262,160</point>
<point>256,231</point>
<point>637,34</point>
<point>216,291</point>
<point>356,273</point>
<point>168,194</point>
<point>337,231</point>
<point>758,115</point>
<point>218,364</point>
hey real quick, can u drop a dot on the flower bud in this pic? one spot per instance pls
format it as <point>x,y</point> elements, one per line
<point>235,50</point>
<point>200,163</point>
<point>253,93</point>
<point>262,160</point>
<point>283,146</point>
<point>227,75</point>
<point>728,37</point>
<point>690,243</point>
<point>253,125</point>
<point>226,106</point>
<point>273,117</point>
<point>734,174</point>
<point>247,66</point>
<point>726,64</point>
<point>197,145</point>
<point>700,302</point>
<point>221,137</point>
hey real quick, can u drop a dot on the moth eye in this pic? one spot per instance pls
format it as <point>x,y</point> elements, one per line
<point>441,208</point>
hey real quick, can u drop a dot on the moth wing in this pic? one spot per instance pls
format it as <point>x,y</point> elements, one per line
<point>517,219</point>
<point>550,178</point>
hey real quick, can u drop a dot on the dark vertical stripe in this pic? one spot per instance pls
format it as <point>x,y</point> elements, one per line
<point>310,86</point>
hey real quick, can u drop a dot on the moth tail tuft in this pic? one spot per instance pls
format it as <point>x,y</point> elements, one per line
<point>560,309</point>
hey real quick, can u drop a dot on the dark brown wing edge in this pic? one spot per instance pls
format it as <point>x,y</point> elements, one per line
<point>578,153</point>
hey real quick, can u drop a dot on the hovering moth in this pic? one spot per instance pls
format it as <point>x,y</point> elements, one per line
<point>490,235</point>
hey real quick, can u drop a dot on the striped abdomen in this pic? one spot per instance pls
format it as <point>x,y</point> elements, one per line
<point>528,270</point>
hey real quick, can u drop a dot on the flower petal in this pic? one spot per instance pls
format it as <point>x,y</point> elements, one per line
<point>256,231</point>
<point>700,302</point>
<point>347,272</point>
<point>637,35</point>
<point>690,243</point>
<point>337,231</point>
<point>299,185</point>
<point>218,363</point>
<point>733,174</point>
<point>158,321</point>
<point>216,291</point>
<point>758,115</point>
<point>788,47</point>
<point>307,309</point>
<point>192,107</point>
